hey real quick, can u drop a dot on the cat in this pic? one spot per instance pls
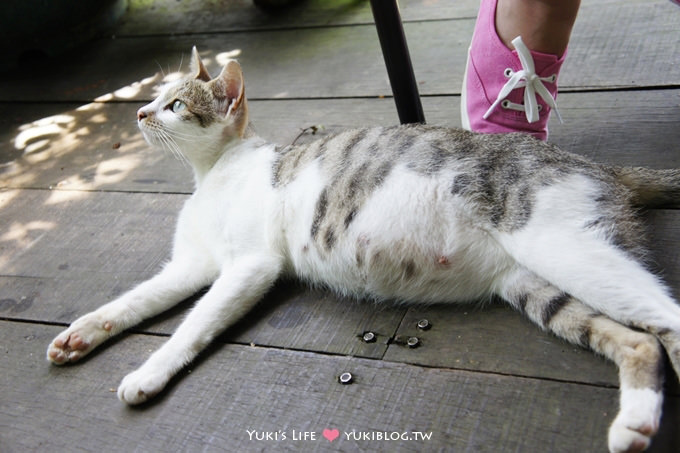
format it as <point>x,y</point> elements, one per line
<point>406,213</point>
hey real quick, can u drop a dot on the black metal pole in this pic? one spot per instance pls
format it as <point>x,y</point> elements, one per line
<point>397,60</point>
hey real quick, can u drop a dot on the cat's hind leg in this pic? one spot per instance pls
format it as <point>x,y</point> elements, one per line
<point>604,277</point>
<point>238,288</point>
<point>584,240</point>
<point>179,279</point>
<point>637,354</point>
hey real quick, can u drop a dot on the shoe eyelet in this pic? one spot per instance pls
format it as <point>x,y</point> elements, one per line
<point>508,72</point>
<point>505,104</point>
<point>540,107</point>
<point>553,78</point>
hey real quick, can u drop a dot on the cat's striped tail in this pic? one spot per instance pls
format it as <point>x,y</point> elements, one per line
<point>652,188</point>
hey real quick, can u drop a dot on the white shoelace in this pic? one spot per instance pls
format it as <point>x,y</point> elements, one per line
<point>528,79</point>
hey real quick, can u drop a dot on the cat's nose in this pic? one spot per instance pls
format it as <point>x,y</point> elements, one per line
<point>141,114</point>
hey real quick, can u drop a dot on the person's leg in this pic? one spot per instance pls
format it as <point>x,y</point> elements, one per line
<point>544,25</point>
<point>494,97</point>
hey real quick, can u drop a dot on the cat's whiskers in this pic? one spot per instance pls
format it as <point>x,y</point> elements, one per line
<point>184,135</point>
<point>174,135</point>
<point>177,151</point>
<point>160,67</point>
<point>181,60</point>
<point>171,145</point>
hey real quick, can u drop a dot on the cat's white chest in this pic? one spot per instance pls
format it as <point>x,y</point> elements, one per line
<point>227,215</point>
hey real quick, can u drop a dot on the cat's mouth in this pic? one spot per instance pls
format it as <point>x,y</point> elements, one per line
<point>148,134</point>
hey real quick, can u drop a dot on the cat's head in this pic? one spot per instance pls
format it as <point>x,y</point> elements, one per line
<point>195,117</point>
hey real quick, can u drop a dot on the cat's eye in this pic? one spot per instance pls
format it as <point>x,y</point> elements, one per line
<point>178,106</point>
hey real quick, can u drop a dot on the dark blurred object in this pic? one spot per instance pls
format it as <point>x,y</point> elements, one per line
<point>34,30</point>
<point>398,61</point>
<point>273,5</point>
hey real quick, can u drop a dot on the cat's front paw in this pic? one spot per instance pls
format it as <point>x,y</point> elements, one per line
<point>78,340</point>
<point>140,385</point>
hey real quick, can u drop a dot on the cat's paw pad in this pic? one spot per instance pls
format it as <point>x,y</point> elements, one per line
<point>78,340</point>
<point>67,347</point>
<point>138,386</point>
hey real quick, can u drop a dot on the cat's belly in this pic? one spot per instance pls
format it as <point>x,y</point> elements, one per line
<point>406,269</point>
<point>410,240</point>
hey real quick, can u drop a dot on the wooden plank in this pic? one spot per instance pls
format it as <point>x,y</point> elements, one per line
<point>235,389</point>
<point>346,60</point>
<point>495,339</point>
<point>168,17</point>
<point>348,57</point>
<point>294,316</point>
<point>597,51</point>
<point>95,146</point>
<point>73,251</point>
<point>73,148</point>
<point>290,316</point>
<point>68,233</point>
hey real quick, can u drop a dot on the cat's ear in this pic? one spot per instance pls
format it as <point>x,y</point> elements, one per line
<point>197,67</point>
<point>233,86</point>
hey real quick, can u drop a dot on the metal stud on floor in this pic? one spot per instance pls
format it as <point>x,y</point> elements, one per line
<point>345,378</point>
<point>424,324</point>
<point>369,337</point>
<point>413,342</point>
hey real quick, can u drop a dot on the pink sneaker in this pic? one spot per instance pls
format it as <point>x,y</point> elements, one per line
<point>507,90</point>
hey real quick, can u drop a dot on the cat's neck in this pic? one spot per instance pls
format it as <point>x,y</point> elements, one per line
<point>205,163</point>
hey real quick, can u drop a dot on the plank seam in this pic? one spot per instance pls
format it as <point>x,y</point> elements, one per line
<point>332,354</point>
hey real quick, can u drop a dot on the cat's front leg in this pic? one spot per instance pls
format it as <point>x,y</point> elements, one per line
<point>239,287</point>
<point>179,279</point>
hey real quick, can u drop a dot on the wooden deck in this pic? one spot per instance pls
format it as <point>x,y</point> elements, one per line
<point>87,210</point>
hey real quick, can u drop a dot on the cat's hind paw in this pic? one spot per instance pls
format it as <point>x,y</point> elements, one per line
<point>624,440</point>
<point>140,385</point>
<point>637,421</point>
<point>78,340</point>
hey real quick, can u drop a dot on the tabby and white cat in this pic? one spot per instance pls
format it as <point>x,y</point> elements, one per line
<point>413,213</point>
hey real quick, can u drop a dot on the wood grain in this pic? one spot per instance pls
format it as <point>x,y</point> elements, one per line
<point>166,16</point>
<point>234,389</point>
<point>615,45</point>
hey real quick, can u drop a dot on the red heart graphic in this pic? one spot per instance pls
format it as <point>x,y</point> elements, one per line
<point>331,434</point>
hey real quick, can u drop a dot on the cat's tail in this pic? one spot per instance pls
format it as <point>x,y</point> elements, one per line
<point>652,188</point>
